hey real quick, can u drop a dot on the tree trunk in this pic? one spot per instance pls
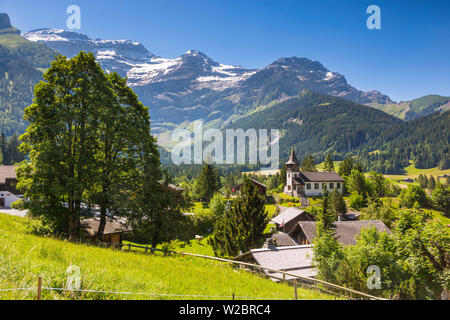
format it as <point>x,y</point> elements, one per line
<point>102,224</point>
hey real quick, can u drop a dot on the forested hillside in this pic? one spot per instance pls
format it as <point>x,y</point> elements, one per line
<point>320,124</point>
<point>425,141</point>
<point>21,65</point>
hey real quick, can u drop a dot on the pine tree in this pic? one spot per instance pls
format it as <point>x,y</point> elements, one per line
<point>243,224</point>
<point>308,164</point>
<point>431,183</point>
<point>338,203</point>
<point>346,167</point>
<point>329,164</point>
<point>441,199</point>
<point>207,182</point>
<point>327,251</point>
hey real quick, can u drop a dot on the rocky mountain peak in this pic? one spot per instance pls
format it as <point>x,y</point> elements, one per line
<point>5,25</point>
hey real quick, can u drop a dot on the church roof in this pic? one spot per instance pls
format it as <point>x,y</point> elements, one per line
<point>319,177</point>
<point>292,158</point>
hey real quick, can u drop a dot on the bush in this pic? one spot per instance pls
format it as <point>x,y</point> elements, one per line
<point>356,201</point>
<point>411,195</point>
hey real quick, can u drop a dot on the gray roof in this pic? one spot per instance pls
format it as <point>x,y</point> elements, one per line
<point>112,226</point>
<point>292,158</point>
<point>7,172</point>
<point>293,259</point>
<point>346,231</point>
<point>287,215</point>
<point>320,177</point>
<point>283,239</point>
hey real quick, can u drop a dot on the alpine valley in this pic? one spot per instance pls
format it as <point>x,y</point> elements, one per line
<point>317,110</point>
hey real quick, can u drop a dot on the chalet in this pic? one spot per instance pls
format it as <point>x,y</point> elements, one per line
<point>8,181</point>
<point>281,239</point>
<point>296,260</point>
<point>304,184</point>
<point>261,187</point>
<point>407,180</point>
<point>346,231</point>
<point>288,218</point>
<point>113,233</point>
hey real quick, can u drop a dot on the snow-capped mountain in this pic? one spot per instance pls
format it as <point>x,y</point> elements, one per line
<point>194,86</point>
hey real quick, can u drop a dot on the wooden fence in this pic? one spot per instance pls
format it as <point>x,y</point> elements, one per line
<point>297,280</point>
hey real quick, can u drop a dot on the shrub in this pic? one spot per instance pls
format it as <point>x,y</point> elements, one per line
<point>356,201</point>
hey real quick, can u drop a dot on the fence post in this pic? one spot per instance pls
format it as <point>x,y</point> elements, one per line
<point>39,288</point>
<point>129,247</point>
<point>146,249</point>
<point>295,289</point>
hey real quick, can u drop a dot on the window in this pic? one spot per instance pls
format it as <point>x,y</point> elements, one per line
<point>331,186</point>
<point>289,175</point>
<point>338,185</point>
<point>316,186</point>
<point>289,187</point>
<point>324,186</point>
<point>308,186</point>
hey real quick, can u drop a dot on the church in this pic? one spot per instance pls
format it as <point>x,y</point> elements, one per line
<point>304,184</point>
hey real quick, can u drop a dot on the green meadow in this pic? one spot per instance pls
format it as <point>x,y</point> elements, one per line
<point>24,257</point>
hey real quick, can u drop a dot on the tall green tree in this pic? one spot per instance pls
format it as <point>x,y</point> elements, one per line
<point>412,195</point>
<point>243,224</point>
<point>154,208</point>
<point>357,183</point>
<point>441,199</point>
<point>207,182</point>
<point>308,164</point>
<point>62,141</point>
<point>327,251</point>
<point>123,124</point>
<point>346,167</point>
<point>431,183</point>
<point>337,203</point>
<point>329,164</point>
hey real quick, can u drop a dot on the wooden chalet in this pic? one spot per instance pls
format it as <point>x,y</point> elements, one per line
<point>346,231</point>
<point>288,219</point>
<point>261,187</point>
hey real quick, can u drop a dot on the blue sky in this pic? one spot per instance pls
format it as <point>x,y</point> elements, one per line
<point>408,58</point>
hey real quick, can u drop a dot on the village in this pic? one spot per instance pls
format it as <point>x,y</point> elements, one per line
<point>289,235</point>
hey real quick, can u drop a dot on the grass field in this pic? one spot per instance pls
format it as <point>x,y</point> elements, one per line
<point>412,172</point>
<point>23,257</point>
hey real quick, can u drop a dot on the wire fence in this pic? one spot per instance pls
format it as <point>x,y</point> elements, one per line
<point>223,297</point>
<point>265,271</point>
<point>295,280</point>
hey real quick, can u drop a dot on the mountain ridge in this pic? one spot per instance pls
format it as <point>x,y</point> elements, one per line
<point>194,86</point>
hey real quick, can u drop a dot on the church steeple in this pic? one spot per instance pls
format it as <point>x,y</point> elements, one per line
<point>292,158</point>
<point>292,164</point>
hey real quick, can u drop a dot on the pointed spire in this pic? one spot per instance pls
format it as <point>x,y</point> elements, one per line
<point>292,158</point>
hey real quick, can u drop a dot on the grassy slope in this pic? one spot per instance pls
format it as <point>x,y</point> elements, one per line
<point>24,256</point>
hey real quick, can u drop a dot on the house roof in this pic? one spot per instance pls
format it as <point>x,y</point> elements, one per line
<point>7,172</point>
<point>293,259</point>
<point>283,239</point>
<point>255,182</point>
<point>320,177</point>
<point>292,158</point>
<point>112,226</point>
<point>287,215</point>
<point>345,231</point>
